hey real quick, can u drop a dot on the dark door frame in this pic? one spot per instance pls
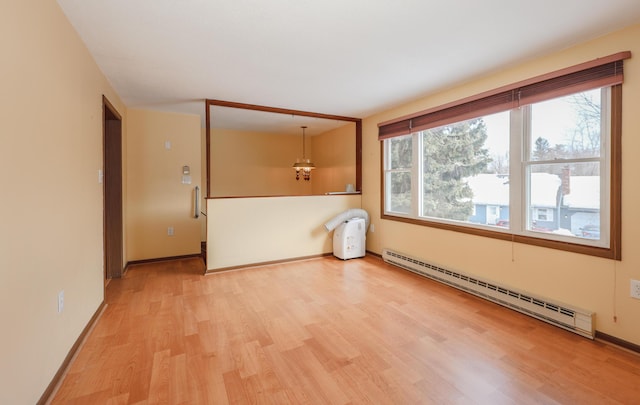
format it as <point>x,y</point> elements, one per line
<point>112,187</point>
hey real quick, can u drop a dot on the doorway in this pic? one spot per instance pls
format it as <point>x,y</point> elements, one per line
<point>112,147</point>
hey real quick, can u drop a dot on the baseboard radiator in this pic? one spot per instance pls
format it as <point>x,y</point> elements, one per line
<point>572,319</point>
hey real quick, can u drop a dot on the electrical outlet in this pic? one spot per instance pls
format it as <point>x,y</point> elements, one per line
<point>372,228</point>
<point>170,231</point>
<point>60,301</point>
<point>635,289</point>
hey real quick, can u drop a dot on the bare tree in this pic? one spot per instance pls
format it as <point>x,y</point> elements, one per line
<point>585,139</point>
<point>499,163</point>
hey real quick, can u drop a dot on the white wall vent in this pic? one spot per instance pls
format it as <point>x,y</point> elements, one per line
<point>573,319</point>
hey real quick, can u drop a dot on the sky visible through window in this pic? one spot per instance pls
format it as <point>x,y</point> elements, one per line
<point>556,130</point>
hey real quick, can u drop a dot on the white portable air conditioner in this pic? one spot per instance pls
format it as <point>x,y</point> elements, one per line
<point>349,239</point>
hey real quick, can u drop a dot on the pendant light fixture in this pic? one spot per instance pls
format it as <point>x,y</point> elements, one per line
<point>303,165</point>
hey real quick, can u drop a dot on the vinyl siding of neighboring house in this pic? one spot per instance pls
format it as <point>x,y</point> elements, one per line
<point>572,211</point>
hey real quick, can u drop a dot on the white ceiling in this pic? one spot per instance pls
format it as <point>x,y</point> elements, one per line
<point>343,57</point>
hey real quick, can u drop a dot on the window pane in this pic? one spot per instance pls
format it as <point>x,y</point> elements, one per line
<point>399,192</point>
<point>567,127</point>
<point>400,154</point>
<point>465,171</point>
<point>399,160</point>
<point>565,199</point>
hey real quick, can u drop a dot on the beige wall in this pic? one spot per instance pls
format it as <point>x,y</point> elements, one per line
<point>588,282</point>
<point>156,197</point>
<point>245,163</point>
<point>334,154</point>
<point>51,208</point>
<point>244,231</point>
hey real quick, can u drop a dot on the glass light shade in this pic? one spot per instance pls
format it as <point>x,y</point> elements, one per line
<point>305,164</point>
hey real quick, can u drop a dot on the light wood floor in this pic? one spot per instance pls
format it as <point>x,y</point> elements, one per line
<point>326,331</point>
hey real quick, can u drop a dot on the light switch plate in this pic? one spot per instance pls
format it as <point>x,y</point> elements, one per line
<point>60,301</point>
<point>635,289</point>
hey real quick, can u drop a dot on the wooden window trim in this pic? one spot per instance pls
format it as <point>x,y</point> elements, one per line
<point>615,221</point>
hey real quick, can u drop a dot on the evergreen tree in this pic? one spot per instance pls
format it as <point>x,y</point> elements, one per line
<point>542,149</point>
<point>452,153</point>
<point>401,159</point>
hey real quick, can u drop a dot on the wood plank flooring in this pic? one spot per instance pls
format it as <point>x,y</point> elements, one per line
<point>327,331</point>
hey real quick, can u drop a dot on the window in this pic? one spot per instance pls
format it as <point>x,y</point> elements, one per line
<point>536,162</point>
<point>542,214</point>
<point>398,174</point>
<point>566,163</point>
<point>450,156</point>
<point>493,214</point>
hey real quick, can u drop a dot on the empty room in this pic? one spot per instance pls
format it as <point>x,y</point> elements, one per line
<point>210,202</point>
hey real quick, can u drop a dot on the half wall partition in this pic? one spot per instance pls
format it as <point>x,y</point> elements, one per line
<point>257,212</point>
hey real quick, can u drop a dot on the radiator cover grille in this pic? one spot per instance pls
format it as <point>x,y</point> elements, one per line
<point>573,319</point>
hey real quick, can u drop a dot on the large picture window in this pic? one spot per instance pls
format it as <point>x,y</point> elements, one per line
<point>537,162</point>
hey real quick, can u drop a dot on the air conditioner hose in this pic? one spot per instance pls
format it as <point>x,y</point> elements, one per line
<point>345,216</point>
